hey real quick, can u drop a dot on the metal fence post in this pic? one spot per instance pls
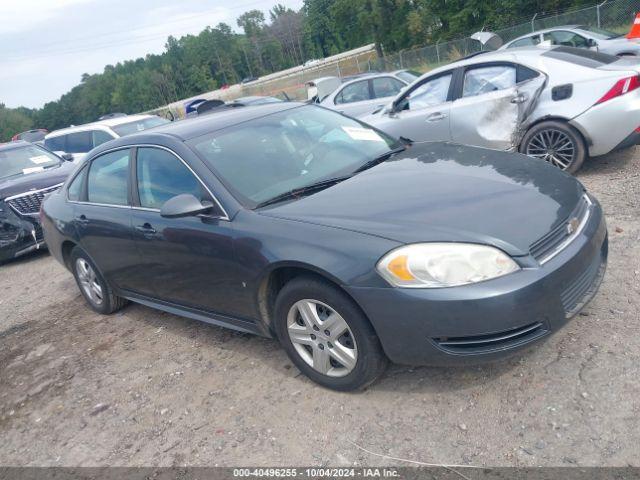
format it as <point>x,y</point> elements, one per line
<point>533,27</point>
<point>401,63</point>
<point>598,11</point>
<point>438,51</point>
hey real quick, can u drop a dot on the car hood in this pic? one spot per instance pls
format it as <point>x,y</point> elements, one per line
<point>446,192</point>
<point>35,181</point>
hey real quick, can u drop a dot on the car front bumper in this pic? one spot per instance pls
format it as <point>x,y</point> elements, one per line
<point>492,319</point>
<point>19,236</point>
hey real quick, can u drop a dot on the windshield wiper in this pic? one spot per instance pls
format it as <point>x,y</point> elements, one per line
<point>301,191</point>
<point>379,159</point>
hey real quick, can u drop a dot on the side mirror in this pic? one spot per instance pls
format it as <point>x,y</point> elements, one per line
<point>592,43</point>
<point>67,157</point>
<point>184,205</point>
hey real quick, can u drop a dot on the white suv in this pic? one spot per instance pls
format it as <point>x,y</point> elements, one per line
<point>79,140</point>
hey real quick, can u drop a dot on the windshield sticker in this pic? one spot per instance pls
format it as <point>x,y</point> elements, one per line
<point>27,171</point>
<point>367,134</point>
<point>40,159</point>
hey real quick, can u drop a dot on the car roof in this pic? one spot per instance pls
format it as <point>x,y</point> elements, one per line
<point>198,126</point>
<point>109,122</point>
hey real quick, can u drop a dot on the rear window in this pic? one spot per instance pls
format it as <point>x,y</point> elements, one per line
<point>581,56</point>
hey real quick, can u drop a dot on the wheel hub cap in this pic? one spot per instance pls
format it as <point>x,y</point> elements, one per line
<point>553,146</point>
<point>322,338</point>
<point>89,281</point>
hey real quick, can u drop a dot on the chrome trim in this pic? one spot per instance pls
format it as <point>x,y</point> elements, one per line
<point>128,207</point>
<point>31,192</point>
<point>148,145</point>
<point>583,222</point>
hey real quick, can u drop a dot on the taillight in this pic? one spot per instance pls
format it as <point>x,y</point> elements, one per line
<point>621,87</point>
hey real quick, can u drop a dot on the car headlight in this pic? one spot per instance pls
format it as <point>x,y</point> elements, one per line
<point>437,265</point>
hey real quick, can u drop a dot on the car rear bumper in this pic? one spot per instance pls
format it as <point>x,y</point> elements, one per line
<point>493,319</point>
<point>630,141</point>
<point>610,124</point>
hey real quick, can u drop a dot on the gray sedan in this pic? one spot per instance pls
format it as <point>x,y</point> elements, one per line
<point>363,95</point>
<point>555,103</point>
<point>580,36</point>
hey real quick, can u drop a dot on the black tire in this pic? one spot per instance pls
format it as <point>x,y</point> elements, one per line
<point>552,129</point>
<point>108,302</point>
<point>370,360</point>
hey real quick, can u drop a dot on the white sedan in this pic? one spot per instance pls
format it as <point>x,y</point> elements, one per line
<point>363,95</point>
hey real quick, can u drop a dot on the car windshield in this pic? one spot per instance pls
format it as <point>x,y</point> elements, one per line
<point>599,33</point>
<point>408,75</point>
<point>25,160</point>
<point>264,158</point>
<point>139,125</point>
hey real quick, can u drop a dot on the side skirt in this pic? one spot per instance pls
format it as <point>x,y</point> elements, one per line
<point>195,314</point>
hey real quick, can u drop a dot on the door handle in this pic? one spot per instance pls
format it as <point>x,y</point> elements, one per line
<point>435,117</point>
<point>146,229</point>
<point>520,98</point>
<point>82,219</point>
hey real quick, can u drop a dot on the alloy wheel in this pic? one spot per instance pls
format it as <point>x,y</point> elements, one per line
<point>89,281</point>
<point>553,146</point>
<point>322,338</point>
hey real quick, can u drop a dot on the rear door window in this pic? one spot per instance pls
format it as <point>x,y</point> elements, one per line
<point>56,144</point>
<point>526,42</point>
<point>478,81</point>
<point>79,142</point>
<point>108,179</point>
<point>356,92</point>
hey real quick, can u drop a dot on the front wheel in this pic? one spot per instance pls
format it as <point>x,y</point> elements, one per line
<point>327,336</point>
<point>557,143</point>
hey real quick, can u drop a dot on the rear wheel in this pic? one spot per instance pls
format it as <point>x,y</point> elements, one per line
<point>327,336</point>
<point>557,143</point>
<point>93,287</point>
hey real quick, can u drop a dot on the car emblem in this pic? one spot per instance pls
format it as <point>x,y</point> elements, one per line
<point>572,225</point>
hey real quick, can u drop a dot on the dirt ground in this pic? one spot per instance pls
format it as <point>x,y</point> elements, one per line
<point>148,388</point>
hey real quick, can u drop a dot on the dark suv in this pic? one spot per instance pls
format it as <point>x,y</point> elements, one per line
<point>27,173</point>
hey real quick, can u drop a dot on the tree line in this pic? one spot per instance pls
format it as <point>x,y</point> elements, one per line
<point>263,44</point>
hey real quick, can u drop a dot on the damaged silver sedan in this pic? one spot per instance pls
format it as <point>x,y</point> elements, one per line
<point>557,103</point>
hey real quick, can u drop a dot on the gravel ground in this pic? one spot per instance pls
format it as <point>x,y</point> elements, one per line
<point>148,388</point>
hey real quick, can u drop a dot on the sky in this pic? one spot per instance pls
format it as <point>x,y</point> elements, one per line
<point>46,45</point>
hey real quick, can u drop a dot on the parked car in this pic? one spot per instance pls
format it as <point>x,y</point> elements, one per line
<point>555,103</point>
<point>31,136</point>
<point>249,80</point>
<point>27,173</point>
<point>349,246</point>
<point>580,36</point>
<point>79,140</point>
<point>364,95</point>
